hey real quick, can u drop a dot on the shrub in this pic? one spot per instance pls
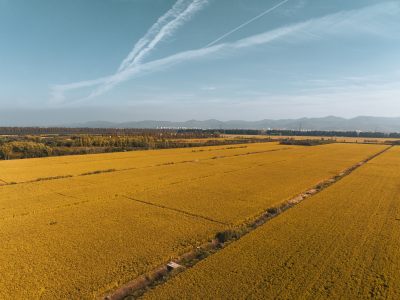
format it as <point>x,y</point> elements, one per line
<point>309,142</point>
<point>227,235</point>
<point>272,211</point>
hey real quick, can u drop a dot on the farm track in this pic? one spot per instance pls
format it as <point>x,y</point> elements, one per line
<point>160,275</point>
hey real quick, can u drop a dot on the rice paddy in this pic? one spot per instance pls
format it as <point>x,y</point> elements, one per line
<point>80,236</point>
<point>340,244</point>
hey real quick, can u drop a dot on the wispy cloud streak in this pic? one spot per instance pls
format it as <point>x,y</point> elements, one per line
<point>152,32</point>
<point>165,26</point>
<point>181,12</point>
<point>337,23</point>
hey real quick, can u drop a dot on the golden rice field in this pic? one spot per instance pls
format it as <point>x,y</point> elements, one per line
<point>40,168</point>
<point>339,139</point>
<point>342,243</point>
<point>77,237</point>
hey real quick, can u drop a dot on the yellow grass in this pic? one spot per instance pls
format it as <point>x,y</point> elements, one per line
<point>78,237</point>
<point>340,244</point>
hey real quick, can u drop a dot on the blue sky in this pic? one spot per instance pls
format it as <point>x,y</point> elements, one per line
<point>301,58</point>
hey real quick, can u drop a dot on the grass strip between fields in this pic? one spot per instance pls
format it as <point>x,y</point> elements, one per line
<point>161,274</point>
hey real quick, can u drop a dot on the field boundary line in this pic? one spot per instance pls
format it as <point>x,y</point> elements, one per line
<point>137,287</point>
<point>97,172</point>
<point>176,210</point>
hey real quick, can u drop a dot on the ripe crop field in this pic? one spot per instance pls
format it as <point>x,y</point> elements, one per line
<point>39,168</point>
<point>339,139</point>
<point>343,243</point>
<point>242,188</point>
<point>80,236</point>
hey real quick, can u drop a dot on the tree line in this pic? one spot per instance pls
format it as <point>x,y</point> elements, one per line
<point>167,133</point>
<point>28,146</point>
<point>321,133</point>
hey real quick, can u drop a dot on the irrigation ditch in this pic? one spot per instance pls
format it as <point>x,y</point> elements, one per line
<point>138,286</point>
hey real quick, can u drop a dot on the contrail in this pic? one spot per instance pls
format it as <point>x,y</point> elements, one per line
<point>171,27</point>
<point>165,26</point>
<point>174,59</point>
<point>246,23</point>
<point>176,9</point>
<point>317,26</point>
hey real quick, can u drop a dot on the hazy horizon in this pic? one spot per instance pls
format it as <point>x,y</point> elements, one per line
<point>81,116</point>
<point>73,115</point>
<point>130,60</point>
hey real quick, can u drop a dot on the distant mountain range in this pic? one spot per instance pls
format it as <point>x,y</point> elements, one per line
<point>362,123</point>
